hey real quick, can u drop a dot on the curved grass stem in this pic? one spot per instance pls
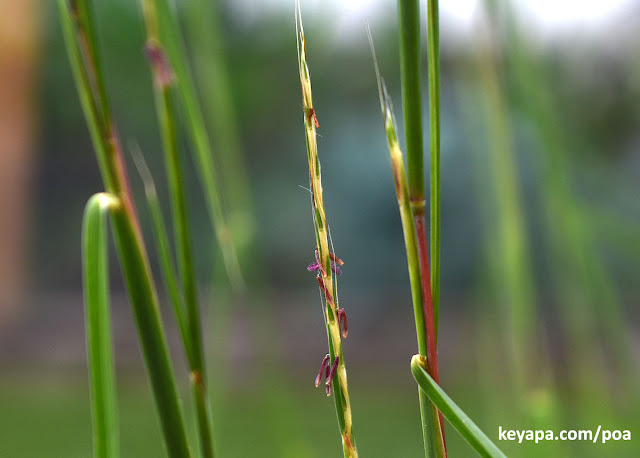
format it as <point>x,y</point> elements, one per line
<point>80,38</point>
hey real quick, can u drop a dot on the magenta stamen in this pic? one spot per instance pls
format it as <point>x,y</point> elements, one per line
<point>342,322</point>
<point>334,366</point>
<point>335,263</point>
<point>323,368</point>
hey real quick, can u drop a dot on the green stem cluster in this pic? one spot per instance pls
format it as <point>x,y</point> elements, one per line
<point>431,424</point>
<point>429,276</point>
<point>164,82</point>
<point>79,28</point>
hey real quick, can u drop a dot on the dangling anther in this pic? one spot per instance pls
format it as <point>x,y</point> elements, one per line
<point>323,366</point>
<point>342,322</point>
<point>336,259</point>
<point>312,116</point>
<point>329,377</point>
<point>324,289</point>
<point>320,266</point>
<point>317,266</point>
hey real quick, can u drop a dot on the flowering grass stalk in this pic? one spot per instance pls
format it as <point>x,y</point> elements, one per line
<point>334,366</point>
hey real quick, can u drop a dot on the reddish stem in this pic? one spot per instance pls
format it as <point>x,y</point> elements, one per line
<point>432,349</point>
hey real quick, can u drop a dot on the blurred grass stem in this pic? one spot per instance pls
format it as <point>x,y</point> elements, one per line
<point>164,81</point>
<point>79,30</point>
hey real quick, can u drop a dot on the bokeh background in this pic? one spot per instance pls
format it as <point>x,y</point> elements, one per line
<point>540,216</point>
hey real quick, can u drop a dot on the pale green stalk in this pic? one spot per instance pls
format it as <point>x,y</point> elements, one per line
<point>170,37</point>
<point>341,392</point>
<point>516,289</point>
<point>204,28</point>
<point>163,250</point>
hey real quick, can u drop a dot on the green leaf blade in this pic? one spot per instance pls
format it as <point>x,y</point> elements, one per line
<point>458,419</point>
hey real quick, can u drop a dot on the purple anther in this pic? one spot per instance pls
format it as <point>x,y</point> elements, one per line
<point>327,296</point>
<point>323,367</point>
<point>163,74</point>
<point>334,367</point>
<point>336,259</point>
<point>342,322</point>
<point>320,264</point>
<point>327,386</point>
<point>335,263</point>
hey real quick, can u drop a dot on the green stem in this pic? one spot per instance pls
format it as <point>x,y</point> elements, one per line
<point>137,275</point>
<point>99,346</point>
<point>411,75</point>
<point>163,81</point>
<point>410,64</point>
<point>433,44</point>
<point>432,427</point>
<point>185,268</point>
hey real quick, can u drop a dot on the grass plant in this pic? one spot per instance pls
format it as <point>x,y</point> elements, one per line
<point>433,398</point>
<point>82,46</point>
<point>325,259</point>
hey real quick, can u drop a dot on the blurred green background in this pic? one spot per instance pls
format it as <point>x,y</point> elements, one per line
<point>541,226</point>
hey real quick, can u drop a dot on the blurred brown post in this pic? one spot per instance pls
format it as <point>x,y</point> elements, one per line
<point>19,40</point>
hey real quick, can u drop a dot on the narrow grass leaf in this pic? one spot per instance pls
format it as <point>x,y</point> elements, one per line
<point>458,419</point>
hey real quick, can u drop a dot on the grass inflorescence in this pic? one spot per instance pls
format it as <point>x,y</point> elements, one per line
<point>326,261</point>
